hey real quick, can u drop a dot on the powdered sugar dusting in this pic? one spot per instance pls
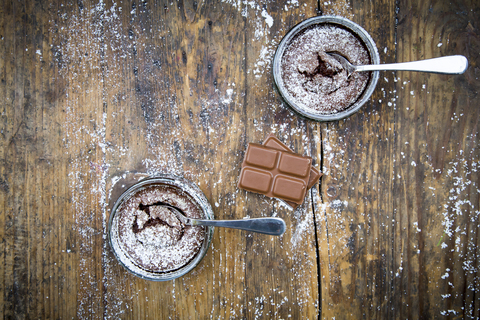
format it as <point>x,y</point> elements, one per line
<point>153,238</point>
<point>461,214</point>
<point>259,16</point>
<point>77,57</point>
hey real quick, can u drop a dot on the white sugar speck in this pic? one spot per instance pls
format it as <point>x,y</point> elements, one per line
<point>268,18</point>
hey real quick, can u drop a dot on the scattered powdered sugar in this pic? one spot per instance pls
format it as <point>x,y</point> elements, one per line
<point>268,18</point>
<point>461,216</point>
<point>228,96</point>
<point>78,58</point>
<point>304,226</point>
<point>337,8</point>
<point>258,15</point>
<point>460,171</point>
<point>265,58</point>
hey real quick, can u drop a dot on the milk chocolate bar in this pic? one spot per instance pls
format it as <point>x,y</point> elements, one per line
<point>273,142</point>
<point>275,173</point>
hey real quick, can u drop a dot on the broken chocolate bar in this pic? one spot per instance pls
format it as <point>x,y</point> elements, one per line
<point>275,173</point>
<point>273,142</point>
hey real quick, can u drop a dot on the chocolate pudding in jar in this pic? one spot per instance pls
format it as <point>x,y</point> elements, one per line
<point>148,238</point>
<point>314,83</point>
<point>317,81</point>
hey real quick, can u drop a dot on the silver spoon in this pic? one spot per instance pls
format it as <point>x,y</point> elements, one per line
<point>271,226</point>
<point>449,65</point>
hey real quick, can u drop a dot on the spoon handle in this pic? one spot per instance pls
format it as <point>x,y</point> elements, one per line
<point>449,65</point>
<point>272,226</point>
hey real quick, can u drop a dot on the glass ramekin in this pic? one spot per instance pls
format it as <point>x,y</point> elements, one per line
<point>195,194</point>
<point>330,20</point>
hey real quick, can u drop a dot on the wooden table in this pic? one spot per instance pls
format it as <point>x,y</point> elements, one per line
<point>96,94</point>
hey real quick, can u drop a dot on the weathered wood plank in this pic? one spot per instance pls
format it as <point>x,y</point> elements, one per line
<point>79,53</point>
<point>354,214</point>
<point>4,187</point>
<point>56,200</point>
<point>436,151</point>
<point>17,282</point>
<point>32,195</point>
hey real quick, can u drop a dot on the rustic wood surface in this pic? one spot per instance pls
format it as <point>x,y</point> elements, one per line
<point>96,95</point>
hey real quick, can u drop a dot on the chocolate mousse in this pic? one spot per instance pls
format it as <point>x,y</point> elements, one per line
<point>151,235</point>
<point>313,79</point>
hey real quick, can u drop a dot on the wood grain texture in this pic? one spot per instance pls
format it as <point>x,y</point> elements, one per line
<point>437,148</point>
<point>99,94</point>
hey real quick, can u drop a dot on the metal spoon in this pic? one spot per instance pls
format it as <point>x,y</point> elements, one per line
<point>271,226</point>
<point>449,65</point>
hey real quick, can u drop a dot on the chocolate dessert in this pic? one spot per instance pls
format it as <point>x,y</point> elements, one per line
<point>151,235</point>
<point>314,79</point>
